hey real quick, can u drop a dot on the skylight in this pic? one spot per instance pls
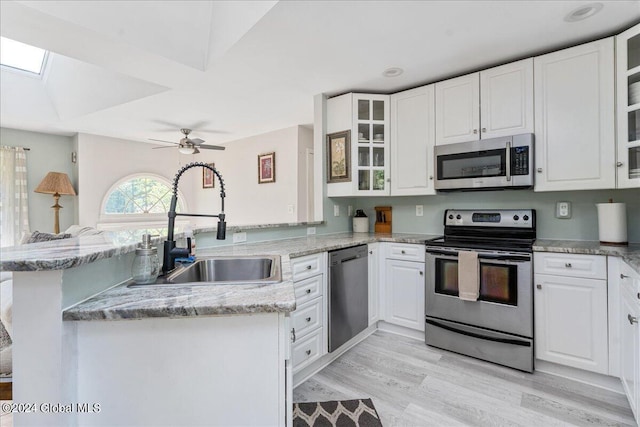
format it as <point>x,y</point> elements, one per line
<point>22,56</point>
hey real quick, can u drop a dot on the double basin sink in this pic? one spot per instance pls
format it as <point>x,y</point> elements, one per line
<point>223,270</point>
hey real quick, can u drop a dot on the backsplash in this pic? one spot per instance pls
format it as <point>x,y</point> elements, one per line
<point>583,225</point>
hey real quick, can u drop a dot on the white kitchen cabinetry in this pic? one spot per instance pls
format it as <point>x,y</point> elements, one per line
<point>374,283</point>
<point>629,316</point>
<point>488,104</point>
<point>574,118</point>
<point>404,285</point>
<point>367,117</point>
<point>571,311</point>
<point>308,321</point>
<point>412,140</point>
<point>628,108</point>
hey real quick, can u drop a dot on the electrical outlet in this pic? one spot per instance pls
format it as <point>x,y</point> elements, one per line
<point>563,210</point>
<point>419,210</point>
<point>336,210</point>
<point>239,237</point>
<point>350,211</point>
<point>290,209</point>
<point>311,230</point>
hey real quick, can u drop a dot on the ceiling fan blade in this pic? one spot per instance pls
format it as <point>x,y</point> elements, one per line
<point>211,147</point>
<point>162,140</point>
<point>195,150</point>
<point>164,146</point>
<point>196,141</point>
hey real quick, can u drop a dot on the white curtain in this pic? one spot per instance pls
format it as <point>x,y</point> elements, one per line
<point>14,203</point>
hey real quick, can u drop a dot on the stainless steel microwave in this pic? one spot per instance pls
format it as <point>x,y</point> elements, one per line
<point>497,163</point>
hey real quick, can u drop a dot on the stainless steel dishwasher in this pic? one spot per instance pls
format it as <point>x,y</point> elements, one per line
<point>348,294</point>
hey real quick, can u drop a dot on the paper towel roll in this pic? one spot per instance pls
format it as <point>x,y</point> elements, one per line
<point>612,223</point>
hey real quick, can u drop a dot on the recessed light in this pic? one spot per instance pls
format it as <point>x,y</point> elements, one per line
<point>392,72</point>
<point>583,12</point>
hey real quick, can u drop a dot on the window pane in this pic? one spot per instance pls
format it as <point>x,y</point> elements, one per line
<point>141,195</point>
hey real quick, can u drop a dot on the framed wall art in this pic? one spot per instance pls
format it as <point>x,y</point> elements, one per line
<point>208,177</point>
<point>339,157</point>
<point>266,168</point>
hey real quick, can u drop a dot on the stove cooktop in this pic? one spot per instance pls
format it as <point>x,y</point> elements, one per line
<point>520,245</point>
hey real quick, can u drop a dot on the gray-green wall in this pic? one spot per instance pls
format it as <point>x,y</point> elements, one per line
<point>48,153</point>
<point>582,226</point>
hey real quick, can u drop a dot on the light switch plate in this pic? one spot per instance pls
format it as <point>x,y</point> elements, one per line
<point>239,237</point>
<point>290,209</point>
<point>563,210</point>
<point>350,211</point>
<point>336,210</point>
<point>311,231</point>
<point>419,210</point>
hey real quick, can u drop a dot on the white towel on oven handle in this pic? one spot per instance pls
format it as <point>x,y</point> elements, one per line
<point>468,276</point>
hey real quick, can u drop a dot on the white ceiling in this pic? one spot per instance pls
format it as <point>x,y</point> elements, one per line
<point>231,69</point>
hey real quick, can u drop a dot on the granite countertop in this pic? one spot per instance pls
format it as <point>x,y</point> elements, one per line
<point>630,254</point>
<point>121,302</point>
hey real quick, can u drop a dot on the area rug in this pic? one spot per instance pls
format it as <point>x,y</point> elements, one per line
<point>336,413</point>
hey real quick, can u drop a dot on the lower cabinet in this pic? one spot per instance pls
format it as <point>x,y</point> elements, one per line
<point>629,316</point>
<point>308,321</point>
<point>571,322</point>
<point>404,285</point>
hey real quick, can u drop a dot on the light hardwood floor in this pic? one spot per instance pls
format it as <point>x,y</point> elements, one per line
<point>415,385</point>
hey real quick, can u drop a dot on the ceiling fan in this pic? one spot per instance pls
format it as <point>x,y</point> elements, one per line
<point>189,145</point>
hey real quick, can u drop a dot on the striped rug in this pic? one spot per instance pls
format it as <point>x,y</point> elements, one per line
<point>336,413</point>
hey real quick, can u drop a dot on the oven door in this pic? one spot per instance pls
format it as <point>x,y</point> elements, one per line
<point>505,303</point>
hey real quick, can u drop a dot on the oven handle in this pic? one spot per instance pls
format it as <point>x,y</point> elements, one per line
<point>482,255</point>
<point>482,337</point>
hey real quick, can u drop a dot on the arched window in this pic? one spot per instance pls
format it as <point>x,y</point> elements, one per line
<point>138,200</point>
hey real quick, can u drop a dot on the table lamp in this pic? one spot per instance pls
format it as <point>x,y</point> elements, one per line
<point>56,183</point>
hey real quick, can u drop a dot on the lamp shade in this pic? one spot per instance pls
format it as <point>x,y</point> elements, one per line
<point>56,182</point>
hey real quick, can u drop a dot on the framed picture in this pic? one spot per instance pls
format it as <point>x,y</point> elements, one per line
<point>339,156</point>
<point>208,177</point>
<point>266,168</point>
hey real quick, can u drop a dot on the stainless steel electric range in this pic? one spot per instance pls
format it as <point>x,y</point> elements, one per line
<point>498,327</point>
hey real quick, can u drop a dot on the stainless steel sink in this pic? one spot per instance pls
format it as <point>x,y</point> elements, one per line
<point>224,270</point>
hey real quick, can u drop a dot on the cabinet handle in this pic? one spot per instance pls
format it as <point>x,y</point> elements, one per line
<point>308,267</point>
<point>539,286</point>
<point>308,291</point>
<point>402,252</point>
<point>308,319</point>
<point>370,252</point>
<point>475,131</point>
<point>430,177</point>
<point>422,273</point>
<point>619,164</point>
<point>632,319</point>
<point>623,276</point>
<point>539,170</point>
<point>567,264</point>
<point>308,352</point>
<point>484,129</point>
<point>293,334</point>
<point>638,295</point>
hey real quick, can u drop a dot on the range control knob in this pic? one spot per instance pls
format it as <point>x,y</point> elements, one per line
<point>458,216</point>
<point>450,216</point>
<point>526,217</point>
<point>516,217</point>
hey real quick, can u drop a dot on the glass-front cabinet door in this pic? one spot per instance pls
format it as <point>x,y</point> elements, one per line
<point>628,91</point>
<point>371,147</point>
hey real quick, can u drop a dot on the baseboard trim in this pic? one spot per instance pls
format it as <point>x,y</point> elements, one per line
<point>401,330</point>
<point>598,380</point>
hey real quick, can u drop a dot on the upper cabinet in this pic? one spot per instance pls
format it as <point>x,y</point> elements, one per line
<point>491,103</point>
<point>367,117</point>
<point>574,118</point>
<point>628,108</point>
<point>412,141</point>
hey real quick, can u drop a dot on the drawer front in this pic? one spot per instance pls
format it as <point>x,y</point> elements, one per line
<point>307,317</point>
<point>307,350</point>
<point>589,266</point>
<point>307,266</point>
<point>308,289</point>
<point>404,251</point>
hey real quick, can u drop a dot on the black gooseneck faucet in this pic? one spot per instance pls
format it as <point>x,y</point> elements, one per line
<point>171,252</point>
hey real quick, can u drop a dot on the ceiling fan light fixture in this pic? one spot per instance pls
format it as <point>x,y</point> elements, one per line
<point>187,150</point>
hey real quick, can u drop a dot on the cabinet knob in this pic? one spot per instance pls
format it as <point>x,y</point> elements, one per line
<point>475,131</point>
<point>308,352</point>
<point>632,319</point>
<point>567,264</point>
<point>539,170</point>
<point>370,252</point>
<point>539,286</point>
<point>308,291</point>
<point>422,273</point>
<point>623,276</point>
<point>484,129</point>
<point>619,164</point>
<point>402,252</point>
<point>638,295</point>
<point>430,177</point>
<point>308,319</point>
<point>308,267</point>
